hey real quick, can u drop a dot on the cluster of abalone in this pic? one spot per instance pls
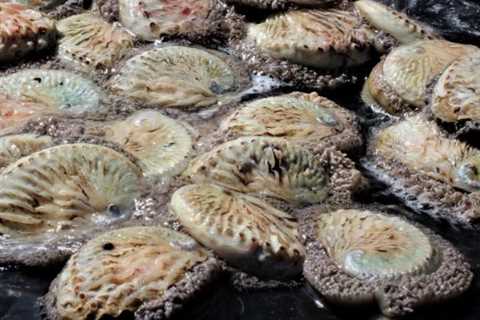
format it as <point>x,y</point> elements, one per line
<point>142,141</point>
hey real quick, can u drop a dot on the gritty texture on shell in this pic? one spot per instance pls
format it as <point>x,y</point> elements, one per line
<point>242,229</point>
<point>305,118</point>
<point>23,31</point>
<point>187,270</point>
<point>60,90</point>
<point>456,95</point>
<point>178,77</point>
<point>90,42</point>
<point>400,26</point>
<point>396,297</point>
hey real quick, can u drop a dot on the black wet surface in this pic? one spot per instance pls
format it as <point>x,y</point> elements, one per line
<point>456,20</point>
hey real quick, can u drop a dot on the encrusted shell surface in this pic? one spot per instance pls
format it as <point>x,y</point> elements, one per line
<point>356,257</point>
<point>410,69</point>
<point>404,29</point>
<point>456,95</point>
<point>65,186</point>
<point>326,39</point>
<point>23,31</point>
<point>272,166</point>
<point>150,19</point>
<point>127,270</point>
<point>175,76</point>
<point>244,230</point>
<point>431,172</point>
<point>161,144</point>
<point>14,147</point>
<point>91,42</point>
<point>57,89</point>
<point>366,245</point>
<point>14,112</point>
<point>306,119</point>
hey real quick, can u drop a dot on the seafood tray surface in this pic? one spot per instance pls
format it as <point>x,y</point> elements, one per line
<point>239,159</point>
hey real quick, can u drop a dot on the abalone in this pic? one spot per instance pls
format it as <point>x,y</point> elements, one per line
<point>358,256</point>
<point>161,144</point>
<point>136,270</point>
<point>13,147</point>
<point>92,43</point>
<point>400,82</point>
<point>61,90</point>
<point>176,76</point>
<point>14,112</point>
<point>276,168</point>
<point>23,31</point>
<point>331,40</point>
<point>456,95</point>
<point>151,20</point>
<point>307,119</point>
<point>430,171</point>
<point>51,197</point>
<point>246,231</point>
<point>403,28</point>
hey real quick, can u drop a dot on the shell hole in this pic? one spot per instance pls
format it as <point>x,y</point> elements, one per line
<point>108,246</point>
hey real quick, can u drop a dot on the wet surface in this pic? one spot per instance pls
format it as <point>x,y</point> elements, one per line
<point>458,21</point>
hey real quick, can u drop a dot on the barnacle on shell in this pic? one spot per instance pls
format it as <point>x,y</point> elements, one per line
<point>57,89</point>
<point>62,186</point>
<point>272,166</point>
<point>306,119</point>
<point>136,269</point>
<point>244,230</point>
<point>402,79</point>
<point>176,76</point>
<point>14,147</point>
<point>397,24</point>
<point>23,31</point>
<point>161,144</point>
<point>91,42</point>
<point>456,95</point>
<point>420,147</point>
<point>326,39</point>
<point>357,256</point>
<point>150,19</point>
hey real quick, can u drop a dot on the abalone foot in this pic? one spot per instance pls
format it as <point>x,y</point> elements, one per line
<point>196,286</point>
<point>426,195</point>
<point>400,296</point>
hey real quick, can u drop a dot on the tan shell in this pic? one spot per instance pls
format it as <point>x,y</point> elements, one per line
<point>23,30</point>
<point>244,230</point>
<point>122,270</point>
<point>150,19</point>
<point>14,147</point>
<point>91,42</point>
<point>295,118</point>
<point>397,24</point>
<point>271,166</point>
<point>366,245</point>
<point>175,76</point>
<point>161,144</point>
<point>456,95</point>
<point>421,146</point>
<point>410,69</point>
<point>325,39</point>
<point>61,186</point>
<point>14,112</point>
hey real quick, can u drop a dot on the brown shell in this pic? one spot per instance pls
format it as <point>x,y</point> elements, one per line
<point>23,31</point>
